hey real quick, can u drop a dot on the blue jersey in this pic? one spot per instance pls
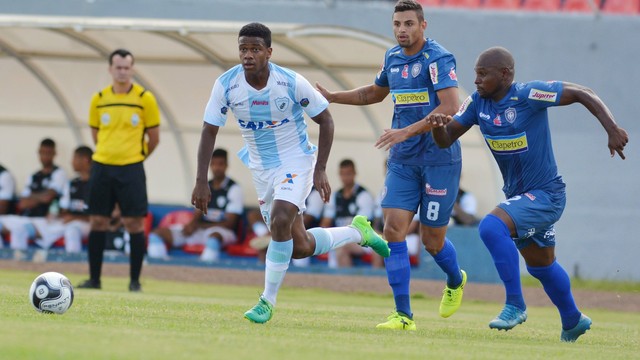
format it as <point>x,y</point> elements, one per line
<point>516,129</point>
<point>413,82</point>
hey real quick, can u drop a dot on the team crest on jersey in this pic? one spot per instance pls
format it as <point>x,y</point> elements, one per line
<point>135,119</point>
<point>433,72</point>
<point>282,103</point>
<point>105,119</point>
<point>416,69</point>
<point>405,72</point>
<point>304,102</point>
<point>511,115</point>
<point>224,110</point>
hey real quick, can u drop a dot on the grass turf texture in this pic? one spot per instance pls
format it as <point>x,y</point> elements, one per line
<point>201,321</point>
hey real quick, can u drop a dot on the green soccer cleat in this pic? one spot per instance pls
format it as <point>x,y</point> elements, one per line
<point>452,298</point>
<point>395,321</point>
<point>260,313</point>
<point>369,237</point>
<point>573,334</point>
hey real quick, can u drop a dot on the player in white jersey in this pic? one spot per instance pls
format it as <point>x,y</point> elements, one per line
<point>268,102</point>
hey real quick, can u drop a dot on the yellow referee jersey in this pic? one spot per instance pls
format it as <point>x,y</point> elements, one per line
<point>121,121</point>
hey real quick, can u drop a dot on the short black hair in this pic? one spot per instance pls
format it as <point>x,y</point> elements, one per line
<point>84,151</point>
<point>48,143</point>
<point>122,53</point>
<point>219,153</point>
<point>410,5</point>
<point>347,163</point>
<point>257,30</point>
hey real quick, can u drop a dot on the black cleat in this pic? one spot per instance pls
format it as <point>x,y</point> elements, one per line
<point>90,284</point>
<point>135,286</point>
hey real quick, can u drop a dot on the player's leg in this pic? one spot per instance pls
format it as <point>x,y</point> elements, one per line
<point>101,205</point>
<point>131,194</point>
<point>538,251</point>
<point>438,195</point>
<point>74,232</point>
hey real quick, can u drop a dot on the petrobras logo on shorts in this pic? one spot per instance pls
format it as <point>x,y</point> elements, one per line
<point>419,97</point>
<point>435,192</point>
<point>542,95</point>
<point>509,144</point>
<point>261,125</point>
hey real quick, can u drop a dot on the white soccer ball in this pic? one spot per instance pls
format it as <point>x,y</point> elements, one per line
<point>51,292</point>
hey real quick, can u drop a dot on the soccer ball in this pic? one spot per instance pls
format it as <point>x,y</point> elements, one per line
<point>51,292</point>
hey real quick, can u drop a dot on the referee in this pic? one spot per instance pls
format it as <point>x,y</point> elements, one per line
<point>124,120</point>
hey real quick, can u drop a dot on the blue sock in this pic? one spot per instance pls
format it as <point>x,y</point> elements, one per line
<point>448,262</point>
<point>557,285</point>
<point>497,239</point>
<point>399,275</point>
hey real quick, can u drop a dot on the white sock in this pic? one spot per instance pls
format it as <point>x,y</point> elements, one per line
<point>333,238</point>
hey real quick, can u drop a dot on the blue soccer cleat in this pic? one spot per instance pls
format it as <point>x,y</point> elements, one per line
<point>509,318</point>
<point>581,327</point>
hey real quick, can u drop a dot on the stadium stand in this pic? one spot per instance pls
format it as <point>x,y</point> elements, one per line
<point>430,3</point>
<point>580,5</point>
<point>502,4</point>
<point>541,5</point>
<point>469,4</point>
<point>628,7</point>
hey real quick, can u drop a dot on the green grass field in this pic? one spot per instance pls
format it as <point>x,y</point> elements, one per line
<point>192,321</point>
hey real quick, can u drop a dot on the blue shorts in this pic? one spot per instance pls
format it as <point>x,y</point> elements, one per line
<point>431,188</point>
<point>534,214</point>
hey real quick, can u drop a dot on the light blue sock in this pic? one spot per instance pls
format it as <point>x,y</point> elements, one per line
<point>399,276</point>
<point>447,259</point>
<point>323,240</point>
<point>277,262</point>
<point>496,238</point>
<point>557,285</point>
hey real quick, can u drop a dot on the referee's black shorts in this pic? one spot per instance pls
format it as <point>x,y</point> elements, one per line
<point>125,185</point>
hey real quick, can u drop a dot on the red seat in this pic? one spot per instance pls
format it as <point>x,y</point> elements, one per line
<point>502,4</point>
<point>629,7</point>
<point>181,217</point>
<point>462,3</point>
<point>430,3</point>
<point>541,5</point>
<point>580,5</point>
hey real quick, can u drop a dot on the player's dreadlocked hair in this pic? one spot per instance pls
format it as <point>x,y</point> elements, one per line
<point>257,30</point>
<point>406,5</point>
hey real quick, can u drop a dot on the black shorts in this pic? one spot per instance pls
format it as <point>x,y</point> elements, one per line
<point>125,185</point>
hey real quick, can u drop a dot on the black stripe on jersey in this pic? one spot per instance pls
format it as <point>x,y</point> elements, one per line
<point>120,104</point>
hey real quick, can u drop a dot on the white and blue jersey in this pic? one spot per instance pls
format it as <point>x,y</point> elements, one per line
<point>413,82</point>
<point>271,119</point>
<point>516,129</point>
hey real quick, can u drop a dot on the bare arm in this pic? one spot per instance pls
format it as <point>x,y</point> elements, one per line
<point>201,193</point>
<point>445,130</point>
<point>618,137</point>
<point>94,135</point>
<point>154,139</point>
<point>449,105</point>
<point>364,95</point>
<point>33,200</point>
<point>4,207</point>
<point>325,141</point>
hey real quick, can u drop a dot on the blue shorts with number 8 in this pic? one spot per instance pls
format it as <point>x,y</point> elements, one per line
<point>432,188</point>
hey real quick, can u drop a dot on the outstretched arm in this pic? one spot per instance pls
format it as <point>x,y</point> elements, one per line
<point>364,95</point>
<point>325,141</point>
<point>201,193</point>
<point>449,105</point>
<point>445,130</point>
<point>618,137</point>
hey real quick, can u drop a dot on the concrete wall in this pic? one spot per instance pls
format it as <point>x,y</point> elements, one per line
<point>595,235</point>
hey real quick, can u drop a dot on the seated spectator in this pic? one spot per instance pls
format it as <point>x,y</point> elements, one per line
<point>215,229</point>
<point>73,220</point>
<point>351,200</point>
<point>465,209</point>
<point>40,194</point>
<point>7,190</point>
